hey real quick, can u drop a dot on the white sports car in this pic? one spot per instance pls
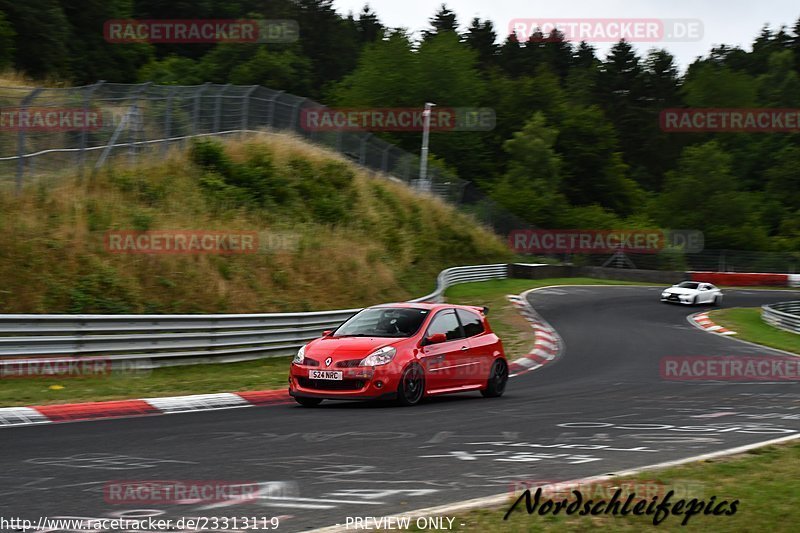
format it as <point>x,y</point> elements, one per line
<point>692,292</point>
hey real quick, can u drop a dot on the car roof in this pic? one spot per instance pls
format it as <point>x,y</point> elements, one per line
<point>430,306</point>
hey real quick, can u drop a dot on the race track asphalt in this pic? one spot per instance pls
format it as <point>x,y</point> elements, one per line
<point>601,407</point>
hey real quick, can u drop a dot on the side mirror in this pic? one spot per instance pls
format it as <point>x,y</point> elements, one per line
<point>436,338</point>
<point>327,332</point>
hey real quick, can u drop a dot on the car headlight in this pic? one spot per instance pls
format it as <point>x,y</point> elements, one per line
<point>379,357</point>
<point>301,355</point>
<point>664,294</point>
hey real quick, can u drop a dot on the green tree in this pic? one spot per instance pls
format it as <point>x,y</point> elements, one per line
<point>512,57</point>
<point>283,70</point>
<point>7,35</point>
<point>385,71</point>
<point>444,20</point>
<point>92,58</point>
<point>594,172</point>
<point>369,26</point>
<point>172,70</point>
<point>330,42</point>
<point>703,193</point>
<point>557,54</point>
<point>712,85</point>
<point>447,74</point>
<point>530,187</point>
<point>783,178</point>
<point>780,85</point>
<point>41,47</point>
<point>481,37</point>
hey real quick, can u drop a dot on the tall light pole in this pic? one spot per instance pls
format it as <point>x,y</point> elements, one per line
<point>424,182</point>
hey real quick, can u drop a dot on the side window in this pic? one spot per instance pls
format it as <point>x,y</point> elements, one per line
<point>473,325</point>
<point>447,323</point>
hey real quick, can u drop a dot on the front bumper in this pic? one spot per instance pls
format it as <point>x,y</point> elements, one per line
<point>675,299</point>
<point>359,383</point>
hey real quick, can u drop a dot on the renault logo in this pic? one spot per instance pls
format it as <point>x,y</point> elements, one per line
<point>328,361</point>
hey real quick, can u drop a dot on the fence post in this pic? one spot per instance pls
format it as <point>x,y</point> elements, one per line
<point>87,98</point>
<point>196,110</point>
<point>218,107</point>
<point>137,132</point>
<point>21,137</point>
<point>296,116</point>
<point>385,159</point>
<point>271,113</point>
<point>339,140</point>
<point>246,108</point>
<point>168,120</point>
<point>362,149</point>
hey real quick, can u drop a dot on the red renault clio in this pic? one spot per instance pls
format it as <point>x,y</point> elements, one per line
<point>403,352</point>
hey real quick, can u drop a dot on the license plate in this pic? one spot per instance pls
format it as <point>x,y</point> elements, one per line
<point>333,375</point>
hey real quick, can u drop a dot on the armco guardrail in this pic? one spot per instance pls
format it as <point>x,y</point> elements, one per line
<point>784,315</point>
<point>151,341</point>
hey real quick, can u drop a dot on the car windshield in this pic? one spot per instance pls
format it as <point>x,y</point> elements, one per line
<point>688,285</point>
<point>383,322</point>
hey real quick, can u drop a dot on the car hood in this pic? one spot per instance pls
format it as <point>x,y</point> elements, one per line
<point>341,348</point>
<point>680,290</point>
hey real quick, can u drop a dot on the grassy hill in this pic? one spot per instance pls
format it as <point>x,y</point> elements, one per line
<point>331,236</point>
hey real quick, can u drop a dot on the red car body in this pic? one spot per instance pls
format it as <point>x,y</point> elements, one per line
<point>445,348</point>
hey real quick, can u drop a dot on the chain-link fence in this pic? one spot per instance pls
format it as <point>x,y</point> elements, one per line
<point>45,132</point>
<point>48,132</point>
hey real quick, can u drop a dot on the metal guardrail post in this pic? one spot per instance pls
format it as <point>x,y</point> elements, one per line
<point>26,102</point>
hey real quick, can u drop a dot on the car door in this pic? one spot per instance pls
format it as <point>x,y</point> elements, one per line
<point>706,295</point>
<point>441,360</point>
<point>476,365</point>
<point>715,292</point>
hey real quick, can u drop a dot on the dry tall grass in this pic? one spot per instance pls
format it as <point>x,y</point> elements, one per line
<point>390,247</point>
